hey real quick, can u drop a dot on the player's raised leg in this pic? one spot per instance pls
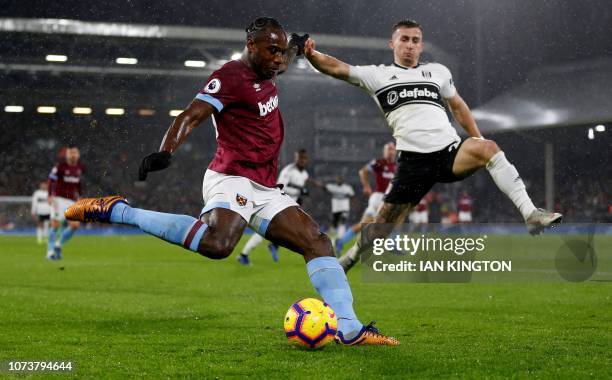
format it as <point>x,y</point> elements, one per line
<point>294,229</point>
<point>476,153</point>
<point>215,236</point>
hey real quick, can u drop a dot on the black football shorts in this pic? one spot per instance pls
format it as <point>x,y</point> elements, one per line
<point>417,173</point>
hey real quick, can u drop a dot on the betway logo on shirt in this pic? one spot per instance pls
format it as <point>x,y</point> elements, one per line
<point>269,106</point>
<point>398,95</point>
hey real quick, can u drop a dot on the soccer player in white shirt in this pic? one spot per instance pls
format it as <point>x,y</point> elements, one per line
<point>341,194</point>
<point>40,211</point>
<point>413,96</point>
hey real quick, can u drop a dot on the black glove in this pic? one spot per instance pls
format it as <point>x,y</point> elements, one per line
<point>299,41</point>
<point>304,192</point>
<point>154,162</point>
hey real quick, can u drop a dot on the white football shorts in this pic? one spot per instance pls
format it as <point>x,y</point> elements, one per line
<point>59,205</point>
<point>257,204</point>
<point>374,202</point>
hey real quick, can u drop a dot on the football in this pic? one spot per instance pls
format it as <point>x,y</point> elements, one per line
<point>310,323</point>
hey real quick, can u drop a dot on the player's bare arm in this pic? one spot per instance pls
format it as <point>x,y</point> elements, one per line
<point>364,177</point>
<point>184,124</point>
<point>181,127</point>
<point>461,112</point>
<point>325,63</point>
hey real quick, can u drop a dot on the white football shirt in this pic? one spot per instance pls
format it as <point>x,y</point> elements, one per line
<point>293,180</point>
<point>412,102</point>
<point>40,203</point>
<point>341,196</point>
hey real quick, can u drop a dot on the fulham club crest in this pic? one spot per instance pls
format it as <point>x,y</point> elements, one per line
<point>242,201</point>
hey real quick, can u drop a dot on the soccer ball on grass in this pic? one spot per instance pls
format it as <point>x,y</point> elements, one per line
<point>310,323</point>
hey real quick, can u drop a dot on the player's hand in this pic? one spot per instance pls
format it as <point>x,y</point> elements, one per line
<point>367,191</point>
<point>50,199</point>
<point>299,41</point>
<point>154,162</point>
<point>309,47</point>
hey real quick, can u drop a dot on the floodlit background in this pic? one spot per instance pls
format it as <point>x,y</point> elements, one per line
<point>109,76</point>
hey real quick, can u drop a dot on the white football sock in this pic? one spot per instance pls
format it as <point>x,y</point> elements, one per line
<point>253,242</point>
<point>39,234</point>
<point>508,180</point>
<point>46,228</point>
<point>341,230</point>
<point>353,252</point>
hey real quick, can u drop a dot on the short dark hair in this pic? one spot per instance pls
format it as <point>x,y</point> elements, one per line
<point>261,24</point>
<point>406,23</point>
<point>301,151</point>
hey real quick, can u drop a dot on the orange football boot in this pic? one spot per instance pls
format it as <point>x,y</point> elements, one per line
<point>369,335</point>
<point>94,209</point>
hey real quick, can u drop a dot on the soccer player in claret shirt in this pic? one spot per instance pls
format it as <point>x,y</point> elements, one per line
<point>64,189</point>
<point>240,184</point>
<point>383,169</point>
<point>464,206</point>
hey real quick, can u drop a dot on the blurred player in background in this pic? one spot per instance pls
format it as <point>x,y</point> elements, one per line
<point>40,211</point>
<point>420,213</point>
<point>413,96</point>
<point>383,169</point>
<point>465,208</point>
<point>293,177</point>
<point>341,194</point>
<point>239,186</point>
<point>64,189</point>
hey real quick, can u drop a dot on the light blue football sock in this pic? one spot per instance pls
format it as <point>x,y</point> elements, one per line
<point>66,235</point>
<point>348,235</point>
<point>51,241</point>
<point>183,230</point>
<point>328,278</point>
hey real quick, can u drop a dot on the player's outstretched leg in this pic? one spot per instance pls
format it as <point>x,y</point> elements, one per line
<point>215,236</point>
<point>476,153</point>
<point>183,230</point>
<point>294,229</point>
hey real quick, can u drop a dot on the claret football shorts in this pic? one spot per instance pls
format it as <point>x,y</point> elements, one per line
<point>256,204</point>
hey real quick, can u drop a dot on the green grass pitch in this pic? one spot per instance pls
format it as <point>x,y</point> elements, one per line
<point>133,306</point>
